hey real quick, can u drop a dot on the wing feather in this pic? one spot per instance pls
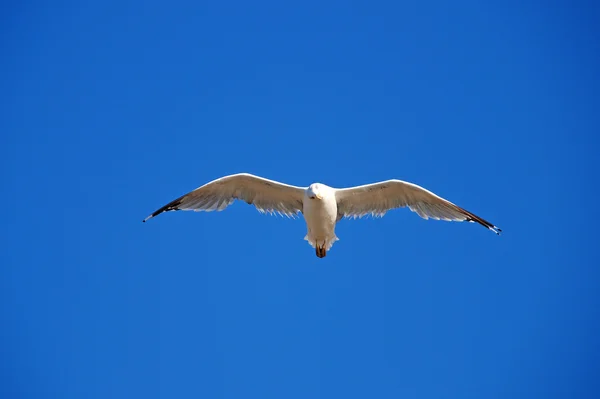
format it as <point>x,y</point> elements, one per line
<point>268,196</point>
<point>378,198</point>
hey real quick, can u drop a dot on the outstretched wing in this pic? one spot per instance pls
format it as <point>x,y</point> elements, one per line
<point>266,195</point>
<point>376,199</point>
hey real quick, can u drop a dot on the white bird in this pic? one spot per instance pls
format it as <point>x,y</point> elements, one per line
<point>322,206</point>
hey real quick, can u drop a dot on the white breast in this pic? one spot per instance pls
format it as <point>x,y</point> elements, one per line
<point>320,216</point>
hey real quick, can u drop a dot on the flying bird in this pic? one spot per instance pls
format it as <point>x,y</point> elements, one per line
<point>322,206</point>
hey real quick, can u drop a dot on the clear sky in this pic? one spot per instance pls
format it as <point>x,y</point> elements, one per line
<point>110,109</point>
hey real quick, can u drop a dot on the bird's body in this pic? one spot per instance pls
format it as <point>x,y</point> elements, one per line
<point>320,214</point>
<point>322,206</point>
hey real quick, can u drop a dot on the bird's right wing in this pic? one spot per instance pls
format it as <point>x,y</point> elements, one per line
<point>376,199</point>
<point>266,195</point>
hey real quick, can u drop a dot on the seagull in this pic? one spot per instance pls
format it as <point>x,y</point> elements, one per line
<point>322,206</point>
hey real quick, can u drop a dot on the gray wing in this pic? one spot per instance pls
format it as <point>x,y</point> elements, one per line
<point>268,196</point>
<point>376,199</point>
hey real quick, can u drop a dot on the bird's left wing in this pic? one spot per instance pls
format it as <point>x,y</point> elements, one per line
<point>266,195</point>
<point>376,199</point>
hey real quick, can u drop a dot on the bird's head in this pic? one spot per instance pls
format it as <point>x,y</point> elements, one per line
<point>316,191</point>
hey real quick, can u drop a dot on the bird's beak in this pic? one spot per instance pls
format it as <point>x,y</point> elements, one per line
<point>319,197</point>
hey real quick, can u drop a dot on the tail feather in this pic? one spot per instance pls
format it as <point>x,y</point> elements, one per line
<point>328,243</point>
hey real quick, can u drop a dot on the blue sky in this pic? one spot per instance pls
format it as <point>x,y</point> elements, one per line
<point>111,109</point>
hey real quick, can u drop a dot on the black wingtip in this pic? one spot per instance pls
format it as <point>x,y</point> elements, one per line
<point>171,206</point>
